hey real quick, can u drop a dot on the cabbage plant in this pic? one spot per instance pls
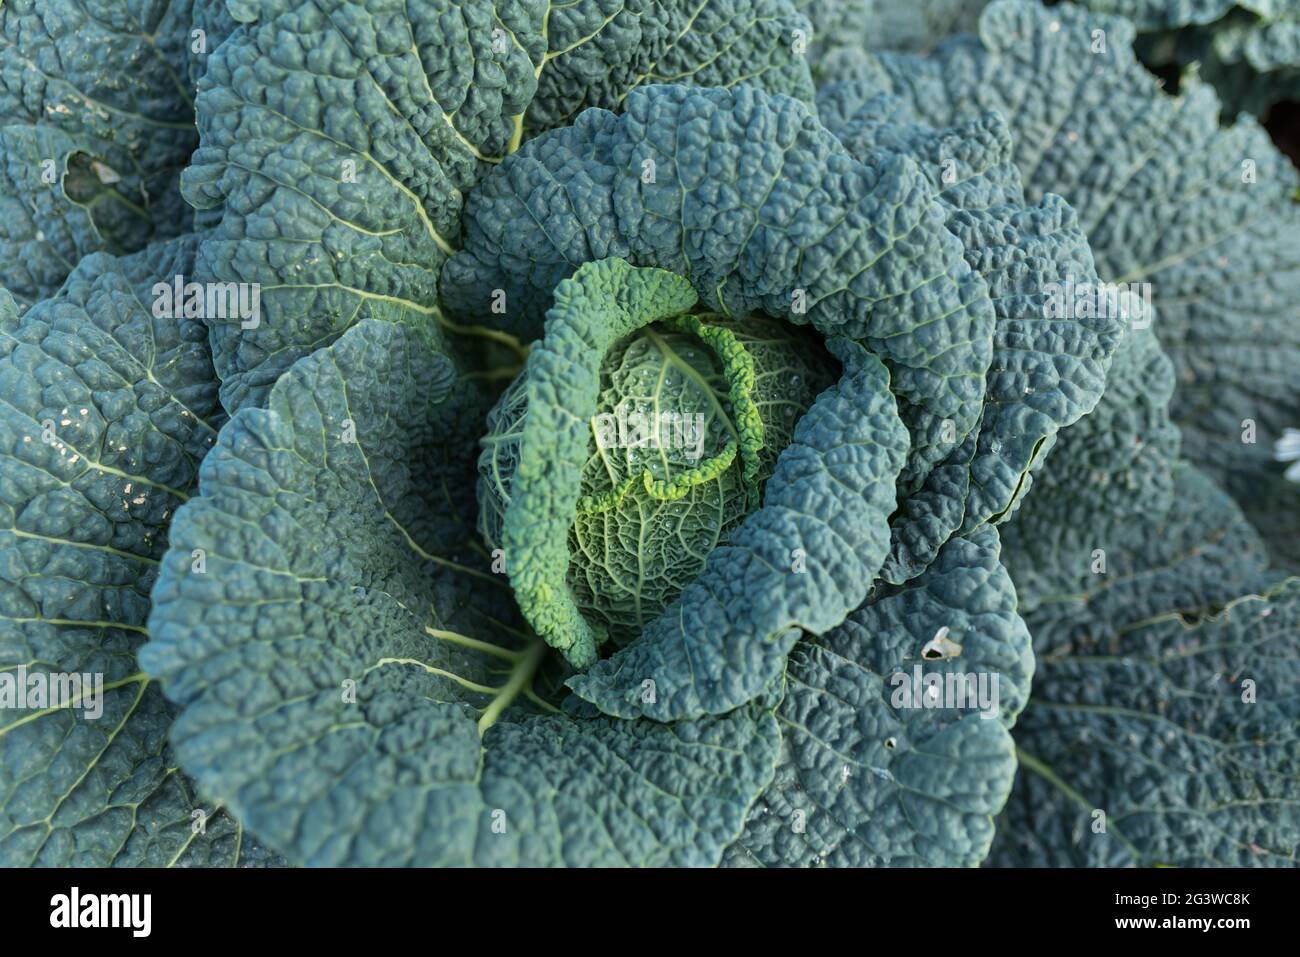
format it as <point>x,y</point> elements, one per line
<point>558,434</point>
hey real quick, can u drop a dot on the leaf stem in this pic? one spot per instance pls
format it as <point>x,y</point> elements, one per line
<point>521,677</point>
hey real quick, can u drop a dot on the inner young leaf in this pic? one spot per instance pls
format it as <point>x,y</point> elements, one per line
<point>692,416</point>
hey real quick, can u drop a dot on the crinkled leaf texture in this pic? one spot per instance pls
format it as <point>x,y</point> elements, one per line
<point>1248,50</point>
<point>1179,725</point>
<point>1108,477</point>
<point>1139,746</point>
<point>96,123</point>
<point>667,184</point>
<point>803,561</point>
<point>1166,196</point>
<point>107,412</point>
<point>354,681</point>
<point>1114,510</point>
<point>844,29</point>
<point>746,195</point>
<point>871,779</point>
<point>1048,368</point>
<point>338,138</point>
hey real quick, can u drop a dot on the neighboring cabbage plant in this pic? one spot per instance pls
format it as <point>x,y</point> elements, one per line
<point>107,410</point>
<point>96,124</point>
<point>1249,50</point>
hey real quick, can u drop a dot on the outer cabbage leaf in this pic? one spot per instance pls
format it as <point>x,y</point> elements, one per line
<point>1120,557</point>
<point>96,122</point>
<point>339,138</point>
<point>1109,477</point>
<point>1198,556</point>
<point>1119,529</point>
<point>865,783</point>
<point>1166,196</point>
<point>1047,370</point>
<point>353,681</point>
<point>1154,14</point>
<point>1183,736</point>
<point>1249,51</point>
<point>107,411</point>
<point>843,29</point>
<point>969,166</point>
<point>597,52</point>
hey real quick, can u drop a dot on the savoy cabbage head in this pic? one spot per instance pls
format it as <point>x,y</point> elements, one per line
<point>660,489</point>
<point>642,434</point>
